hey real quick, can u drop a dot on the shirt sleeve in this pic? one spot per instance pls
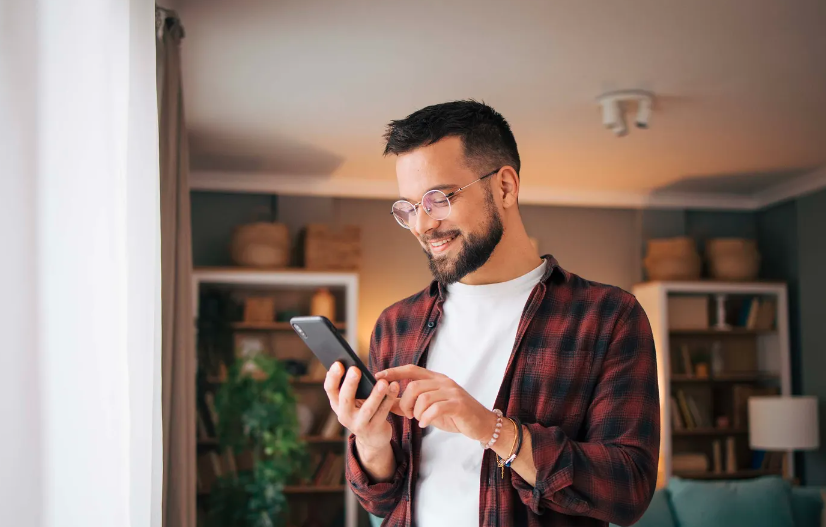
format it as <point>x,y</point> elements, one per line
<point>379,499</point>
<point>612,473</point>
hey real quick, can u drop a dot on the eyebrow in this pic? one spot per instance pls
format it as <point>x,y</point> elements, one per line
<point>437,187</point>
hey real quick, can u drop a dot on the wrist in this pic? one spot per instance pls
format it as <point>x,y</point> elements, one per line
<point>507,436</point>
<point>369,452</point>
<point>488,427</point>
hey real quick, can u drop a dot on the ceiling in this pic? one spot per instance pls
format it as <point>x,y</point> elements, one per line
<point>304,88</point>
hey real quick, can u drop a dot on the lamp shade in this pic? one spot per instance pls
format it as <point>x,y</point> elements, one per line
<point>783,423</point>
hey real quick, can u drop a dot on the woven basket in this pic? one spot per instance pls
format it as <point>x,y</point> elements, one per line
<point>327,248</point>
<point>672,259</point>
<point>261,244</point>
<point>734,259</point>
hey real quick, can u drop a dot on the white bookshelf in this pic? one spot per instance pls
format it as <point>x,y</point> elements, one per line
<point>293,279</point>
<point>772,355</point>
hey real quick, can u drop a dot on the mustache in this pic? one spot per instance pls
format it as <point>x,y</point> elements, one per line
<point>440,235</point>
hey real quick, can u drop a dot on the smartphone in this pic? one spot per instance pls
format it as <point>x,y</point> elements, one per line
<point>326,343</point>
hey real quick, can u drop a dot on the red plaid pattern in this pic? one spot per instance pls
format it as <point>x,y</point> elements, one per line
<point>583,379</point>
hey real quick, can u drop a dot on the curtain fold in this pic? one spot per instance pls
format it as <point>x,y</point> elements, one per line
<point>178,349</point>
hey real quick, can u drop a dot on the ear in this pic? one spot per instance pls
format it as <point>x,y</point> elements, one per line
<point>508,187</point>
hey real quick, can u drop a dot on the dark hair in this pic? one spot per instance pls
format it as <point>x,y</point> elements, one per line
<point>485,134</point>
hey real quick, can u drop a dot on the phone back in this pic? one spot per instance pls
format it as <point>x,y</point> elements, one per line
<point>329,346</point>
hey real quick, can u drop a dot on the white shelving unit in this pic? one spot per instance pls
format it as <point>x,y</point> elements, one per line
<point>244,278</point>
<point>772,346</point>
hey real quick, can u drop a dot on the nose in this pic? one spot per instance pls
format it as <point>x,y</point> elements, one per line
<point>422,222</point>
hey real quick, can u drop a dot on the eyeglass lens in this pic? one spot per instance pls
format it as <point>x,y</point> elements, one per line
<point>435,203</point>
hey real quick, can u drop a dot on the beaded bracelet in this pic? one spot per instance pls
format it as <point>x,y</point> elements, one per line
<point>496,430</point>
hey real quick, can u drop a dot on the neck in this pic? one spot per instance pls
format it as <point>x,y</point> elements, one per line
<point>512,258</point>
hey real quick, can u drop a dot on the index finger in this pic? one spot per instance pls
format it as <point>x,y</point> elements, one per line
<point>408,371</point>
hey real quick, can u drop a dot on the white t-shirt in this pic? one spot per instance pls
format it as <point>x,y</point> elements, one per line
<point>472,346</point>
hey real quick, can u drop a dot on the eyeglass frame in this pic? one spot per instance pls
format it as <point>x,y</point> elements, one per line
<point>448,196</point>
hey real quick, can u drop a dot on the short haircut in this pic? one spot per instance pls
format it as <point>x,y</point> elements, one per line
<point>486,135</point>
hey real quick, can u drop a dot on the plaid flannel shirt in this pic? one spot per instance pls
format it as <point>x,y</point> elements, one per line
<point>582,377</point>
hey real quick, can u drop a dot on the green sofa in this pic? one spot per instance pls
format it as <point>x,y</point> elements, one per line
<point>760,502</point>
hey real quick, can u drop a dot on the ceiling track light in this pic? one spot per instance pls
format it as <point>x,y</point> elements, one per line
<point>615,103</point>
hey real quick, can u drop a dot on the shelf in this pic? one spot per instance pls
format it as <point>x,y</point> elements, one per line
<point>734,332</point>
<point>709,432</point>
<point>313,440</point>
<point>295,381</point>
<point>727,377</point>
<point>273,326</point>
<point>320,489</point>
<point>740,474</point>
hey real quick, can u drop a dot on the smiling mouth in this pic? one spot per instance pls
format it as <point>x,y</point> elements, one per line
<point>441,245</point>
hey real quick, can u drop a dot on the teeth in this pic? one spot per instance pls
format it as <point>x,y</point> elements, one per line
<point>440,243</point>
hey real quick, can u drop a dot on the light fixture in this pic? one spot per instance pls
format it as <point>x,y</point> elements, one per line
<point>614,105</point>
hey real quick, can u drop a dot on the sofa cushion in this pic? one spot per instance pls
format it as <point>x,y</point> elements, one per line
<point>659,512</point>
<point>760,502</point>
<point>807,506</point>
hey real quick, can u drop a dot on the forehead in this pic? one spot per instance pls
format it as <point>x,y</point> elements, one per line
<point>439,165</point>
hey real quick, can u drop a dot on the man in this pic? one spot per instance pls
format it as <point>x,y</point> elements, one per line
<point>569,363</point>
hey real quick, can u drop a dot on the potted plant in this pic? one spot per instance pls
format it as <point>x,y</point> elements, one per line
<point>256,417</point>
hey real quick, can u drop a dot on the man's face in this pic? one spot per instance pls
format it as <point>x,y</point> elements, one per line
<point>461,243</point>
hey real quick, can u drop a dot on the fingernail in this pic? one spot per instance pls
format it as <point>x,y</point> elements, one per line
<point>422,425</point>
<point>381,387</point>
<point>351,374</point>
<point>379,375</point>
<point>394,387</point>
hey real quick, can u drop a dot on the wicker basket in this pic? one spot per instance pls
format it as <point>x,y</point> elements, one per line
<point>324,247</point>
<point>735,259</point>
<point>261,244</point>
<point>672,259</point>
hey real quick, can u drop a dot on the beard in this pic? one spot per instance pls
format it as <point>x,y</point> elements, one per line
<point>475,252</point>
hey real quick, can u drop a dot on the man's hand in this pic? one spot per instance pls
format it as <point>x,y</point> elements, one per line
<point>367,419</point>
<point>435,399</point>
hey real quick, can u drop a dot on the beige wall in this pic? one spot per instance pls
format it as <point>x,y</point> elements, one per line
<point>599,244</point>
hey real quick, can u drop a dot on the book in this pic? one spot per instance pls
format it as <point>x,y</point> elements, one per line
<point>335,471</point>
<point>676,417</point>
<point>209,400</point>
<point>751,321</point>
<point>766,315</point>
<point>689,422</point>
<point>699,417</point>
<point>757,457</point>
<point>323,470</point>
<point>717,450</point>
<point>689,462</point>
<point>332,428</point>
<point>731,456</point>
<point>689,370</point>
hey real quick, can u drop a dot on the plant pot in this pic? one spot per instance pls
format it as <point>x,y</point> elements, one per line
<point>733,259</point>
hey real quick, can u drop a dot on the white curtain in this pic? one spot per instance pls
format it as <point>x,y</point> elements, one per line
<point>80,421</point>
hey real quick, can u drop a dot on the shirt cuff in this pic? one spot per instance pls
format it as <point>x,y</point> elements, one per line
<point>382,496</point>
<point>553,458</point>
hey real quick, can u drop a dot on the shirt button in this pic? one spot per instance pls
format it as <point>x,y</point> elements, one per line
<point>431,324</point>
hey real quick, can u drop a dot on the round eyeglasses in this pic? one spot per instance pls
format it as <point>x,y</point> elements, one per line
<point>434,202</point>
